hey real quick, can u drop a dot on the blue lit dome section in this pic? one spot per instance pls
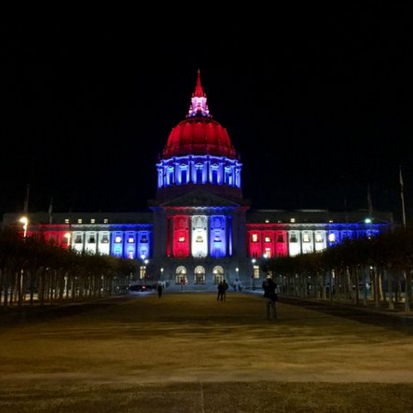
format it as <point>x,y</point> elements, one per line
<point>199,154</point>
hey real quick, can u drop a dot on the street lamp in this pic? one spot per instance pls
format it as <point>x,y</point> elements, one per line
<point>161,274</point>
<point>253,273</point>
<point>68,236</point>
<point>143,267</point>
<point>25,222</point>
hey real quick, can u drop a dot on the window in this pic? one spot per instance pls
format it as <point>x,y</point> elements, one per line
<point>78,239</point>
<point>144,239</point>
<point>280,238</point>
<point>105,239</point>
<point>199,239</point>
<point>93,221</point>
<point>92,239</point>
<point>318,238</point>
<point>254,238</point>
<point>332,237</point>
<point>293,238</point>
<point>79,221</point>
<point>217,238</point>
<point>131,240</point>
<point>306,237</point>
<point>67,221</point>
<point>105,221</point>
<point>181,239</point>
<point>267,239</point>
<point>118,239</point>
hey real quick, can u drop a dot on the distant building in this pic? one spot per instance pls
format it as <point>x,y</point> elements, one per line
<point>199,229</point>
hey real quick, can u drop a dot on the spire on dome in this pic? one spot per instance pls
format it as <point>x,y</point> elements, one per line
<point>199,91</point>
<point>198,105</point>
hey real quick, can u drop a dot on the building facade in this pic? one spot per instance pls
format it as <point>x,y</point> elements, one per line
<point>199,229</point>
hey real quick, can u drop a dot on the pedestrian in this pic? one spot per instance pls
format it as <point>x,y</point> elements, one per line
<point>225,287</point>
<point>270,296</point>
<point>160,290</point>
<point>221,291</point>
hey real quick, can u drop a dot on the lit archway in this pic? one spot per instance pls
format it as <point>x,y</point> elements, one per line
<point>199,275</point>
<point>218,273</point>
<point>180,275</point>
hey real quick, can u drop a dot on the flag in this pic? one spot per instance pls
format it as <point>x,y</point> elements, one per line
<point>50,210</point>
<point>401,178</point>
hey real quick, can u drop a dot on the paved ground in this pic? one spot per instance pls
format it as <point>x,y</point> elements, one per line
<point>186,352</point>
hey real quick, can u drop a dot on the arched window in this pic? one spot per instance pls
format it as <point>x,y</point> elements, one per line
<point>180,275</point>
<point>199,275</point>
<point>218,272</point>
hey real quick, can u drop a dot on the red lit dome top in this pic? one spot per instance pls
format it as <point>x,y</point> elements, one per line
<point>198,134</point>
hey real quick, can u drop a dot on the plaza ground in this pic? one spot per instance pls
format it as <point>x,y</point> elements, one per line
<point>187,352</point>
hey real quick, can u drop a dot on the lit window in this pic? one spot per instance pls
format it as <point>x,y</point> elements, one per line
<point>105,221</point>
<point>93,220</point>
<point>181,239</point>
<point>267,239</point>
<point>306,237</point>
<point>318,238</point>
<point>79,221</point>
<point>131,240</point>
<point>292,220</point>
<point>332,237</point>
<point>118,239</point>
<point>254,237</point>
<point>199,238</point>
<point>217,239</point>
<point>67,221</point>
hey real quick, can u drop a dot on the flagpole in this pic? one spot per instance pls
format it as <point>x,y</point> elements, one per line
<point>26,201</point>
<point>402,196</point>
<point>51,211</point>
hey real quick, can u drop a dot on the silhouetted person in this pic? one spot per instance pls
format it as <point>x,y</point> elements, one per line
<point>160,290</point>
<point>221,291</point>
<point>270,295</point>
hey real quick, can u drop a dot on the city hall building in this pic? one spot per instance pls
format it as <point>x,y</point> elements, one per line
<point>199,229</point>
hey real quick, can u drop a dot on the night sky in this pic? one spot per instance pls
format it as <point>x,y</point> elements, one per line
<point>319,110</point>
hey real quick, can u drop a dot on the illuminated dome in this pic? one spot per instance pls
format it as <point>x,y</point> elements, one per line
<point>199,134</point>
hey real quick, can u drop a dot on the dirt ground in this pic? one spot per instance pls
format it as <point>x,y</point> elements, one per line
<point>187,352</point>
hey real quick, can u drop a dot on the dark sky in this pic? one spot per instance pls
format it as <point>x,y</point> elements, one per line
<point>318,107</point>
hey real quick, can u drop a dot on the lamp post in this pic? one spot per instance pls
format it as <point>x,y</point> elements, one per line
<point>253,274</point>
<point>25,222</point>
<point>161,274</point>
<point>68,237</point>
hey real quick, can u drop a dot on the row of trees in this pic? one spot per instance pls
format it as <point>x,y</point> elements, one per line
<point>344,272</point>
<point>33,270</point>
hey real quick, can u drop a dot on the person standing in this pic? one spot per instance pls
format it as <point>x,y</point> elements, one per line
<point>160,290</point>
<point>225,288</point>
<point>270,295</point>
<point>221,291</point>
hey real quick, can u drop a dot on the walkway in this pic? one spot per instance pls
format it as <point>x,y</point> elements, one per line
<point>186,352</point>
